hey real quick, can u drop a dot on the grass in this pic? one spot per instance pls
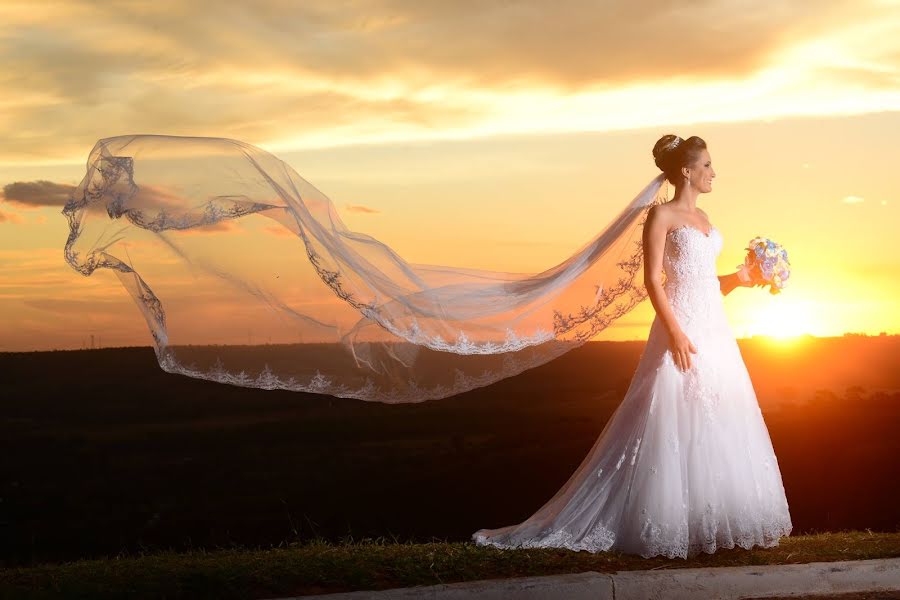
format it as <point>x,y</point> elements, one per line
<point>319,567</point>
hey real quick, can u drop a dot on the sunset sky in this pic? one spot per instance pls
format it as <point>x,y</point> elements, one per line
<point>499,135</point>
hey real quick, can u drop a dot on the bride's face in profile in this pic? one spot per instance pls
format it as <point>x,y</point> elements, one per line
<point>701,173</point>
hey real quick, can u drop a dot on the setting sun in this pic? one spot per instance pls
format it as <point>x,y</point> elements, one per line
<point>780,316</point>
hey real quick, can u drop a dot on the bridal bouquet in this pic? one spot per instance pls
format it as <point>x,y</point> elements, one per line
<point>770,261</point>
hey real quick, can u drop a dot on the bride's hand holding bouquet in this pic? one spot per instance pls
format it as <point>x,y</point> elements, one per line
<point>766,263</point>
<point>748,277</point>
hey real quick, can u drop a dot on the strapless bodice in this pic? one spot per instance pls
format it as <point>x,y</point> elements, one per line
<point>689,264</point>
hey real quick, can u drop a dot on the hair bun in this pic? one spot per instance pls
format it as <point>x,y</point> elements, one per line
<point>671,154</point>
<point>664,149</point>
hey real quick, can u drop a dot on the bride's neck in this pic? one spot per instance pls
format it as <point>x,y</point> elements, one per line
<point>685,198</point>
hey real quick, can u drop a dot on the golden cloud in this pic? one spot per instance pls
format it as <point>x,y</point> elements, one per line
<point>273,70</point>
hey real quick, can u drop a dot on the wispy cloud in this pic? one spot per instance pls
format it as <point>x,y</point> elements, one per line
<point>359,208</point>
<point>67,306</point>
<point>12,218</point>
<point>852,199</point>
<point>278,231</point>
<point>213,228</point>
<point>287,74</point>
<point>37,193</point>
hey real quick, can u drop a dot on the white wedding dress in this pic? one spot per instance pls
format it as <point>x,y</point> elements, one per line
<point>685,464</point>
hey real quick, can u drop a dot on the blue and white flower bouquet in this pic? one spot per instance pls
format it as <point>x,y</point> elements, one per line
<point>768,262</point>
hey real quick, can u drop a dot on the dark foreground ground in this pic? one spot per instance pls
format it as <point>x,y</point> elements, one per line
<point>322,568</point>
<point>102,452</point>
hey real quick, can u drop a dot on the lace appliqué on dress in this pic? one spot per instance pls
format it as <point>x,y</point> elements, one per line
<point>598,539</point>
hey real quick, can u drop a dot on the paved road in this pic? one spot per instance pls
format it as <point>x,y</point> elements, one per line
<point>864,579</point>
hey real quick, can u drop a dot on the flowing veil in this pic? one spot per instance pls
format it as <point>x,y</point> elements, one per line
<point>246,275</point>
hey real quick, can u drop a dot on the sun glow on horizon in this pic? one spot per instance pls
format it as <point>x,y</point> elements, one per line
<point>786,319</point>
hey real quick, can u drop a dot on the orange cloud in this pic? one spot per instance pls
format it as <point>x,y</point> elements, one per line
<point>217,227</point>
<point>325,73</point>
<point>359,208</point>
<point>278,231</point>
<point>14,218</point>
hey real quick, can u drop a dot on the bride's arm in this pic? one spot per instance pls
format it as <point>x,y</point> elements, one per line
<point>653,242</point>
<point>740,278</point>
<point>728,282</point>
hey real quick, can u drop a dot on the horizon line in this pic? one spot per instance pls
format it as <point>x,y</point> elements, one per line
<point>759,336</point>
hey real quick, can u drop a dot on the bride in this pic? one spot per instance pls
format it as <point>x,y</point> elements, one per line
<point>685,464</point>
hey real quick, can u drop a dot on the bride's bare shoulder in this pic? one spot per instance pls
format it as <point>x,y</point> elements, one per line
<point>665,208</point>
<point>661,214</point>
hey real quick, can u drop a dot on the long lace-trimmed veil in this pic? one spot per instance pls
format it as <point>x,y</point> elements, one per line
<point>246,274</point>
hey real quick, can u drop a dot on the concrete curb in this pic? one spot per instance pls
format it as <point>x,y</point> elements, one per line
<point>671,584</point>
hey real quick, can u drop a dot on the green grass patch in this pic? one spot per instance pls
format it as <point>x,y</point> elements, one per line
<point>319,567</point>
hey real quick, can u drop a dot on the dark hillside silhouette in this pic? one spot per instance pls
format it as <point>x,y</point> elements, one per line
<point>103,451</point>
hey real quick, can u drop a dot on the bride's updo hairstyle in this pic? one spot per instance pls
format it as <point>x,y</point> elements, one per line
<point>671,153</point>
